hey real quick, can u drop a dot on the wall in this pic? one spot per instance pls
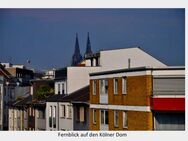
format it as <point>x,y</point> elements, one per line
<point>119,59</point>
<point>134,102</point>
<point>81,125</point>
<point>40,123</point>
<point>65,123</point>
<point>48,104</point>
<point>78,77</point>
<point>93,126</point>
<point>60,82</point>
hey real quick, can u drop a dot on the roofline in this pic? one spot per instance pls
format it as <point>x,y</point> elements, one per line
<point>118,48</point>
<point>138,47</point>
<point>36,80</point>
<point>79,102</point>
<point>137,69</point>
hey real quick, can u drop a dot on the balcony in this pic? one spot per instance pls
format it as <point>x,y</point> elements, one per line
<point>168,100</point>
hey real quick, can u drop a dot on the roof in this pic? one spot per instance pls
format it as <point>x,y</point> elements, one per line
<point>39,104</point>
<point>137,69</point>
<point>55,98</point>
<point>81,95</point>
<point>5,72</point>
<point>23,102</point>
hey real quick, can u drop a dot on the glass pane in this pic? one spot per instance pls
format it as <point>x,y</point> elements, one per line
<point>102,117</point>
<point>106,117</point>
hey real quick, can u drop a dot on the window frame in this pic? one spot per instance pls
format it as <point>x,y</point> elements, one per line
<point>54,117</point>
<point>63,111</point>
<point>59,88</point>
<point>94,116</point>
<point>82,114</point>
<point>50,116</point>
<point>63,88</point>
<point>103,90</point>
<point>115,88</point>
<point>69,111</point>
<point>116,118</point>
<point>104,117</point>
<point>125,119</point>
<point>94,87</point>
<point>124,85</point>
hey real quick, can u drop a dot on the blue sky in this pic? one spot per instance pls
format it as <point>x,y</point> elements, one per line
<point>47,36</point>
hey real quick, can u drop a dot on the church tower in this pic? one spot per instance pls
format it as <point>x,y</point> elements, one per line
<point>88,46</point>
<point>77,57</point>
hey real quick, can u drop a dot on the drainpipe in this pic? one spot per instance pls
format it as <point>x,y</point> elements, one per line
<point>58,116</point>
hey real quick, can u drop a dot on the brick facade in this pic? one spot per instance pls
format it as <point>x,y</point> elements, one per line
<point>139,91</point>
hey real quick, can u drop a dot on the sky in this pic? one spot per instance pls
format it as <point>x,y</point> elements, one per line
<point>47,36</point>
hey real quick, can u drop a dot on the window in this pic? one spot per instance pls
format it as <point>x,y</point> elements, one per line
<point>116,118</point>
<point>125,122</point>
<point>94,87</point>
<point>50,117</point>
<point>15,114</point>
<point>18,113</point>
<point>103,86</point>
<point>63,88</point>
<point>58,87</point>
<point>30,111</point>
<point>25,114</point>
<point>104,117</point>
<point>124,85</point>
<point>115,85</point>
<point>41,114</point>
<point>54,117</point>
<point>82,114</point>
<point>94,116</point>
<point>69,114</point>
<point>63,111</point>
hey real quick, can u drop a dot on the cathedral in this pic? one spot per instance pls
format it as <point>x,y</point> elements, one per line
<point>77,57</point>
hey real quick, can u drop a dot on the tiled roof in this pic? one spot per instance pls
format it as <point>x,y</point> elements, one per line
<point>55,98</point>
<point>23,102</point>
<point>81,95</point>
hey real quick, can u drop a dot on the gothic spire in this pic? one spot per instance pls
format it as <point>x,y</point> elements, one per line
<point>88,46</point>
<point>77,57</point>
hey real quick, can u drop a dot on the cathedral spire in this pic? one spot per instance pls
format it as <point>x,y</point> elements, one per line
<point>77,57</point>
<point>88,46</point>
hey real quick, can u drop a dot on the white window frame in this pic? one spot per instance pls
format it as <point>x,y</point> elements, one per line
<point>125,119</point>
<point>94,116</point>
<point>124,85</point>
<point>103,89</point>
<point>63,111</point>
<point>82,114</point>
<point>54,117</point>
<point>94,87</point>
<point>63,88</point>
<point>116,118</point>
<point>104,117</point>
<point>69,111</point>
<point>115,86</point>
<point>50,116</point>
<point>59,88</point>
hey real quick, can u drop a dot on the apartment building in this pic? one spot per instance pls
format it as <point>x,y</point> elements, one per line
<point>7,85</point>
<point>71,79</point>
<point>142,98</point>
<point>67,81</point>
<point>18,114</point>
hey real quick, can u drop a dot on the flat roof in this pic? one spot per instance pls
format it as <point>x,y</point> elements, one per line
<point>137,69</point>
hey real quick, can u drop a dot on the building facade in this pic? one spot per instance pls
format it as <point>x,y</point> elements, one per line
<point>126,99</point>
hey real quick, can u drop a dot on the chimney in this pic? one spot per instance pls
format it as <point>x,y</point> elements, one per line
<point>129,63</point>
